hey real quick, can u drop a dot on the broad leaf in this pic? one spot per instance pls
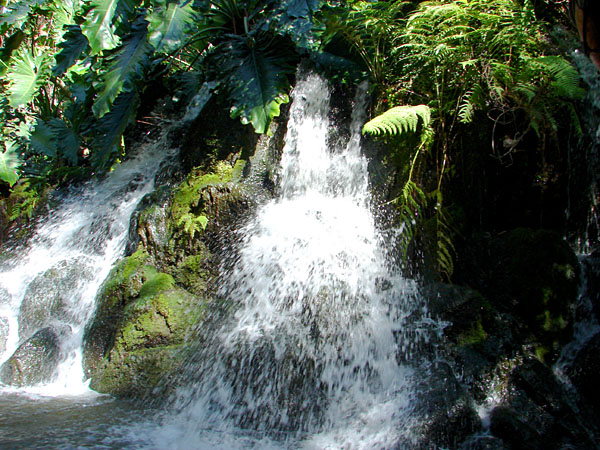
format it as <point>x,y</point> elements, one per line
<point>127,66</point>
<point>67,141</point>
<point>257,79</point>
<point>98,28</point>
<point>169,28</point>
<point>295,19</point>
<point>26,74</point>
<point>110,129</point>
<point>42,140</point>
<point>72,46</point>
<point>9,163</point>
<point>17,12</point>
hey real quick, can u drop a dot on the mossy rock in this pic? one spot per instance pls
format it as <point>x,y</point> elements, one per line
<point>532,275</point>
<point>139,309</point>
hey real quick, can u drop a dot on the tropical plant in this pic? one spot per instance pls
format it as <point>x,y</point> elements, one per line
<point>74,73</point>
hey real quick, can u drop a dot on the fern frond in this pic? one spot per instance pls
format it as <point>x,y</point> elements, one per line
<point>398,120</point>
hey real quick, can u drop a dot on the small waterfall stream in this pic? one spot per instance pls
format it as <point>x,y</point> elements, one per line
<point>310,358</point>
<point>52,283</point>
<point>314,350</point>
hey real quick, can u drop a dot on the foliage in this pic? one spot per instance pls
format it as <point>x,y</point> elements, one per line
<point>459,58</point>
<point>73,73</point>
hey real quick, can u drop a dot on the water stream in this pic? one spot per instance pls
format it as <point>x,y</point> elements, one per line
<point>316,351</point>
<point>52,283</point>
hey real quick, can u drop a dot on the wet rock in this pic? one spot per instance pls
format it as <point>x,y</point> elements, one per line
<point>532,275</point>
<point>584,373</point>
<point>483,442</point>
<point>446,411</point>
<point>48,295</point>
<point>142,320</point>
<point>537,412</point>
<point>591,266</point>
<point>34,361</point>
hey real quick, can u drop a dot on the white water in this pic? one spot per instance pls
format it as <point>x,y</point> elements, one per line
<point>81,240</point>
<point>310,357</point>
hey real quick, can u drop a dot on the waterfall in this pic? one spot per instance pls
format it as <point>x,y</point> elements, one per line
<point>52,283</point>
<point>312,353</point>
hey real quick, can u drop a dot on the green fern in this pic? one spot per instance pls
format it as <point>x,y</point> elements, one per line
<point>192,224</point>
<point>398,120</point>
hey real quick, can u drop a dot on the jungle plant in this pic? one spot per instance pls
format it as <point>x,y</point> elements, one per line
<point>73,73</point>
<point>458,58</point>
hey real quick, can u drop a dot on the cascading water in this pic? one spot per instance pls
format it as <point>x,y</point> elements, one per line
<point>51,285</point>
<point>310,357</point>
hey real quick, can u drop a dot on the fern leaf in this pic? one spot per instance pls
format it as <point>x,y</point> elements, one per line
<point>398,120</point>
<point>565,77</point>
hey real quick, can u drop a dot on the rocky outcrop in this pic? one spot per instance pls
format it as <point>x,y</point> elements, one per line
<point>156,299</point>
<point>34,361</point>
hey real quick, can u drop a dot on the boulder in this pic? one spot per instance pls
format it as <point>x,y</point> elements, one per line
<point>142,320</point>
<point>584,373</point>
<point>445,410</point>
<point>34,361</point>
<point>47,297</point>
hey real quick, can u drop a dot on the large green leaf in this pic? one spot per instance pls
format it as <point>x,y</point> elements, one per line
<point>110,129</point>
<point>295,19</point>
<point>98,27</point>
<point>9,163</point>
<point>26,74</point>
<point>257,79</point>
<point>42,140</point>
<point>126,67</point>
<point>169,27</point>
<point>67,141</point>
<point>72,46</point>
<point>17,12</point>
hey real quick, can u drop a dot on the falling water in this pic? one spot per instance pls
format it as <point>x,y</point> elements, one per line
<point>311,355</point>
<point>54,281</point>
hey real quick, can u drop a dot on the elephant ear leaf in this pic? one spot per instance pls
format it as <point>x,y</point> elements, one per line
<point>169,27</point>
<point>257,80</point>
<point>127,66</point>
<point>98,26</point>
<point>25,75</point>
<point>73,45</point>
<point>110,129</point>
<point>9,163</point>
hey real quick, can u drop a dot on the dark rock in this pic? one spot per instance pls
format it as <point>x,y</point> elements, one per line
<point>445,410</point>
<point>483,443</point>
<point>591,266</point>
<point>530,274</point>
<point>34,361</point>
<point>537,412</point>
<point>584,373</point>
<point>510,426</point>
<point>48,295</point>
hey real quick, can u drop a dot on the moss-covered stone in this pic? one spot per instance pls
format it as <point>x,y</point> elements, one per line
<point>142,317</point>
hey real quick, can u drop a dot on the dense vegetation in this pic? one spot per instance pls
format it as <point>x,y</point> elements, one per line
<point>74,74</point>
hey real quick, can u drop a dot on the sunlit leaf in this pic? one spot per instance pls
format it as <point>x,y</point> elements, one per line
<point>9,163</point>
<point>98,27</point>
<point>169,27</point>
<point>26,74</point>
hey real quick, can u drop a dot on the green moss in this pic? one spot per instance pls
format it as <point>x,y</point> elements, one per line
<point>187,199</point>
<point>156,283</point>
<point>475,334</point>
